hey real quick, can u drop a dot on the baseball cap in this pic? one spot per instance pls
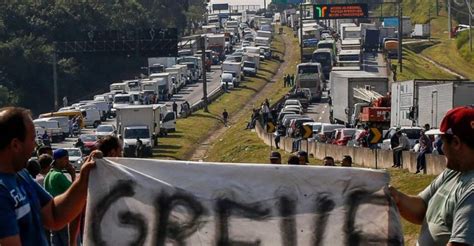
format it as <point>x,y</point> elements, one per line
<point>275,155</point>
<point>60,153</point>
<point>458,121</point>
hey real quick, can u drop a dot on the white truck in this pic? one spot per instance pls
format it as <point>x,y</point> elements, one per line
<point>138,122</point>
<point>195,69</point>
<point>132,85</point>
<point>51,127</point>
<point>252,57</point>
<point>118,87</point>
<point>264,34</point>
<point>235,68</point>
<point>165,61</point>
<point>342,91</point>
<point>311,76</point>
<point>176,79</point>
<point>262,41</point>
<point>165,85</point>
<point>421,31</point>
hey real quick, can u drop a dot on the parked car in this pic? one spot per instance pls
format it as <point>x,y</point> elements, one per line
<point>105,130</point>
<point>292,102</point>
<point>325,133</point>
<point>90,142</point>
<point>343,135</point>
<point>75,157</point>
<point>353,141</point>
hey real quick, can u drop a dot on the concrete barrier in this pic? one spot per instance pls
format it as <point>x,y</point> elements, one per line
<point>365,157</point>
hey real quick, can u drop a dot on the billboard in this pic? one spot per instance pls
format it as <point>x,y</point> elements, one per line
<point>220,6</point>
<point>340,11</point>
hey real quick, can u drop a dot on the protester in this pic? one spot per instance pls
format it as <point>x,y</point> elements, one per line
<point>445,208</point>
<point>17,141</point>
<point>225,116</point>
<point>362,138</point>
<point>292,80</point>
<point>293,160</point>
<point>425,148</point>
<point>275,157</point>
<point>277,139</point>
<point>56,183</point>
<point>328,161</point>
<point>45,162</point>
<point>139,148</point>
<point>33,167</point>
<point>403,144</point>
<point>346,161</point>
<point>303,158</point>
<point>44,150</point>
<point>110,146</point>
<point>175,107</point>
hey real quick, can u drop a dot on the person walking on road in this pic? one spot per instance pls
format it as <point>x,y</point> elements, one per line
<point>445,208</point>
<point>17,142</point>
<point>225,117</point>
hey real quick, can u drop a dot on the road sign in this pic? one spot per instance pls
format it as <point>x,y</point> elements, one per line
<point>375,136</point>
<point>306,131</point>
<point>271,127</point>
<point>340,11</point>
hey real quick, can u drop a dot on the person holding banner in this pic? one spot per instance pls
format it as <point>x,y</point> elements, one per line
<point>445,208</point>
<point>25,207</point>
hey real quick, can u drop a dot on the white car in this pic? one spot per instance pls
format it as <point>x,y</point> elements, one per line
<point>105,130</point>
<point>75,157</point>
<point>292,102</point>
<point>413,133</point>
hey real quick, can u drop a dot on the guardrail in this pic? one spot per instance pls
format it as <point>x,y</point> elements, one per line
<point>365,157</point>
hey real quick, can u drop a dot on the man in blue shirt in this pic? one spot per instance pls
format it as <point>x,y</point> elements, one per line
<point>25,207</point>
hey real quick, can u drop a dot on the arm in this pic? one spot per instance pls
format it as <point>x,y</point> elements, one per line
<point>67,206</point>
<point>11,241</point>
<point>412,208</point>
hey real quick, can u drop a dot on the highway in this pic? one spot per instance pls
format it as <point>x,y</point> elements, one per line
<point>191,93</point>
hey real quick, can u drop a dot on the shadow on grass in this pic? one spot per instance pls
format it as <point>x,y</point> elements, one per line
<point>210,116</point>
<point>167,146</point>
<point>419,47</point>
<point>244,87</point>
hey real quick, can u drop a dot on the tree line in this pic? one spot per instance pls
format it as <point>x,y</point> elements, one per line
<point>28,29</point>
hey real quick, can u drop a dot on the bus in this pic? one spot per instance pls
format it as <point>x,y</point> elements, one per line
<point>309,75</point>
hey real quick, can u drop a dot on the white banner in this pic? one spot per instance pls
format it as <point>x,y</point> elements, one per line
<point>152,202</point>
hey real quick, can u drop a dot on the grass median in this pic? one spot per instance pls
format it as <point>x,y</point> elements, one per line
<point>193,130</point>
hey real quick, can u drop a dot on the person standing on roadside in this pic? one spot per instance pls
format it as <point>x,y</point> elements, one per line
<point>56,183</point>
<point>175,107</point>
<point>225,117</point>
<point>425,148</point>
<point>292,78</point>
<point>18,190</point>
<point>45,162</point>
<point>445,208</point>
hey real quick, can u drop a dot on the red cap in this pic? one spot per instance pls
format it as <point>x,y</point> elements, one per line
<point>459,121</point>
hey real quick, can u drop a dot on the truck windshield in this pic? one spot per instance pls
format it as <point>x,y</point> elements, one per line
<point>308,69</point>
<point>349,58</point>
<point>322,57</point>
<point>130,133</point>
<point>325,45</point>
<point>122,99</point>
<point>249,64</point>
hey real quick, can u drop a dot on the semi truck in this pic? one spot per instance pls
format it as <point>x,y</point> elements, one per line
<point>310,75</point>
<point>235,68</point>
<point>342,91</point>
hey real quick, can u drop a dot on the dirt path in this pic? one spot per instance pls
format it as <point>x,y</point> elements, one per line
<point>201,152</point>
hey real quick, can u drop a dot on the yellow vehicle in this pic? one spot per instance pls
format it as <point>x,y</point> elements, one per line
<point>70,114</point>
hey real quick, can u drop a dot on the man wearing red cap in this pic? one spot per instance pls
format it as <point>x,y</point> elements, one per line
<point>445,209</point>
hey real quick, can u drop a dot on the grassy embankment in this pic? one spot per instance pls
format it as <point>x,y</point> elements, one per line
<point>451,53</point>
<point>191,131</point>
<point>239,145</point>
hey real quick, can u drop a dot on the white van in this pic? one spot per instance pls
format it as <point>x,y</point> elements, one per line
<point>91,116</point>
<point>63,122</point>
<point>51,127</point>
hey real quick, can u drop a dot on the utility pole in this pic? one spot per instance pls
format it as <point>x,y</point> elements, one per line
<point>449,19</point>
<point>300,25</point>
<point>204,75</point>
<point>400,34</point>
<point>55,78</point>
